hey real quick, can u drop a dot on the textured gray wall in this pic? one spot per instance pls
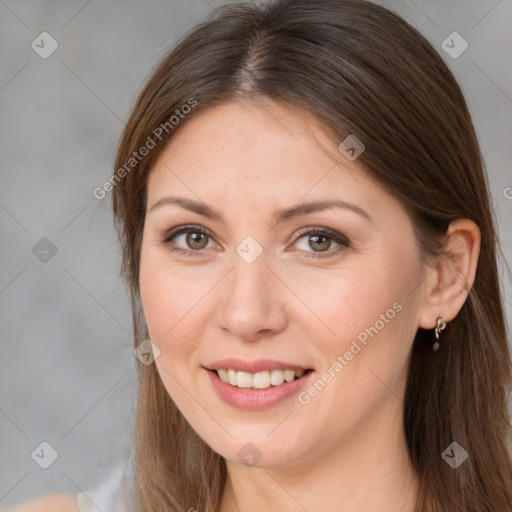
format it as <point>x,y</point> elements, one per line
<point>67,369</point>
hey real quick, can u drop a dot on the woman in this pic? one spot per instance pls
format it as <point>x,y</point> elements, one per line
<point>309,245</point>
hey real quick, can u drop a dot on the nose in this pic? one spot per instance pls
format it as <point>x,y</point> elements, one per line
<point>253,301</point>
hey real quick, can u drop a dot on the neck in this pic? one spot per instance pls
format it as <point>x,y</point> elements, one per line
<point>368,470</point>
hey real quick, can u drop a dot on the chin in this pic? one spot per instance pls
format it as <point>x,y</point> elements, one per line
<point>256,448</point>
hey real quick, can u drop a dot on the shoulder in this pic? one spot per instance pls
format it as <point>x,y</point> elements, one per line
<point>49,503</point>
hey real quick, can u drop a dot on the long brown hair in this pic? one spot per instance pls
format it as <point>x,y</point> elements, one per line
<point>363,70</point>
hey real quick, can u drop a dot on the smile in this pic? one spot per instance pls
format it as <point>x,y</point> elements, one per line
<point>260,390</point>
<point>259,380</point>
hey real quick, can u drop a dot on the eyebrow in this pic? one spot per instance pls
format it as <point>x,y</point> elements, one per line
<point>278,216</point>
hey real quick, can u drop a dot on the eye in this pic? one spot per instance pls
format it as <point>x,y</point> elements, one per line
<point>194,238</point>
<point>322,239</point>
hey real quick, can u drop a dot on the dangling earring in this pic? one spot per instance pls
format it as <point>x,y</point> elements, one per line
<point>441,324</point>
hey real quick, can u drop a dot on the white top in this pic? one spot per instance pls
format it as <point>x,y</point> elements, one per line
<point>116,494</point>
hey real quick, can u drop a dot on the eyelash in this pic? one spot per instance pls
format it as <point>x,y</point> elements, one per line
<point>329,233</point>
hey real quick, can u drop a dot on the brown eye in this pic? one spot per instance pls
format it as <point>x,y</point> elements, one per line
<point>320,240</point>
<point>196,240</point>
<point>187,240</point>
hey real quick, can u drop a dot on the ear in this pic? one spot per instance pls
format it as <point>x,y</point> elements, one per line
<point>447,284</point>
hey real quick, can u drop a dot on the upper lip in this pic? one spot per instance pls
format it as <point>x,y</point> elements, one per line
<point>254,366</point>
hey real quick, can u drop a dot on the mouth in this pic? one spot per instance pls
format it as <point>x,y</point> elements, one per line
<point>261,390</point>
<point>259,380</point>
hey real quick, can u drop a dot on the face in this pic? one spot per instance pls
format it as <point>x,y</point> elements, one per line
<point>225,274</point>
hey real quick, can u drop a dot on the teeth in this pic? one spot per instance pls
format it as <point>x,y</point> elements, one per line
<point>231,377</point>
<point>276,377</point>
<point>260,380</point>
<point>243,379</point>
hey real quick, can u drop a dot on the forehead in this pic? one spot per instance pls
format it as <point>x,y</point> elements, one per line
<point>254,145</point>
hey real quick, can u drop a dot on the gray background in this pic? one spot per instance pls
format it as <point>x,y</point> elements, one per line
<point>67,369</point>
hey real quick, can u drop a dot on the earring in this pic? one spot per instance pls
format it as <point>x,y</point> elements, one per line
<point>441,324</point>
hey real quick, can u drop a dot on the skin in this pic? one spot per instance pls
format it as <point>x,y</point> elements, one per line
<point>345,449</point>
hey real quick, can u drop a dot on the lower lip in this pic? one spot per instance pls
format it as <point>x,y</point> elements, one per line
<point>250,398</point>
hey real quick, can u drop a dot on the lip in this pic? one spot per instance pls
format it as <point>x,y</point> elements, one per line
<point>255,366</point>
<point>255,399</point>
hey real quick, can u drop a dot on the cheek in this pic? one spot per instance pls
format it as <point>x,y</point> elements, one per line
<point>168,289</point>
<point>365,314</point>
<point>170,302</point>
<point>168,299</point>
<point>339,305</point>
